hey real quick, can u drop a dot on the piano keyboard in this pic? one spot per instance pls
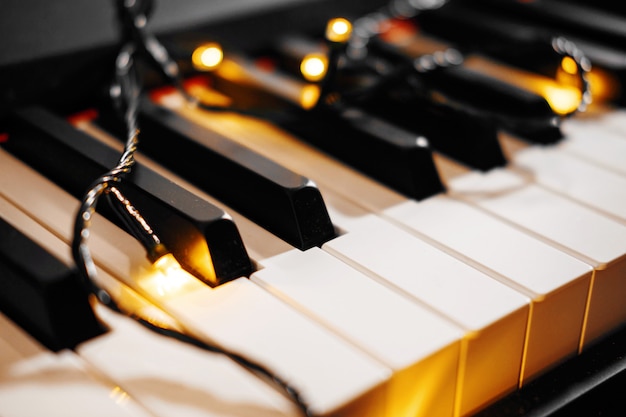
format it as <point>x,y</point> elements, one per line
<point>446,305</point>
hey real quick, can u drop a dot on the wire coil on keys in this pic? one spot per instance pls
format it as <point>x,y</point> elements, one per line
<point>125,93</point>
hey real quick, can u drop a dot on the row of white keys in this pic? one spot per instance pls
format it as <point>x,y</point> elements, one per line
<point>168,378</point>
<point>553,279</point>
<point>582,214</point>
<point>368,315</point>
<point>574,228</point>
<point>493,315</point>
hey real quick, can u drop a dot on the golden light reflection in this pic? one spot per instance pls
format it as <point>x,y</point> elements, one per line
<point>313,66</point>
<point>207,57</point>
<point>338,30</point>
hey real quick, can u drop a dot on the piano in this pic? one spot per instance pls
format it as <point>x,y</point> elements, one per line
<point>434,228</point>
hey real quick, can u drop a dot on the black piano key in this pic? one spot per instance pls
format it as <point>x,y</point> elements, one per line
<point>398,158</point>
<point>486,98</point>
<point>377,148</point>
<point>191,228</point>
<point>282,201</point>
<point>42,294</point>
<point>456,132</point>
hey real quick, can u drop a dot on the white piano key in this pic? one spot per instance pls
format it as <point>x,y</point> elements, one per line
<point>493,315</point>
<point>597,144</point>
<point>584,233</point>
<point>35,381</point>
<point>557,283</point>
<point>421,347</point>
<point>333,375</point>
<point>589,184</point>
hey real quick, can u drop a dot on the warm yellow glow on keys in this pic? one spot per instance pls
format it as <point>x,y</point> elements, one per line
<point>166,279</point>
<point>313,67</point>
<point>338,30</point>
<point>207,57</point>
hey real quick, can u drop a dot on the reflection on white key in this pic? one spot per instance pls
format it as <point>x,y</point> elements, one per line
<point>493,315</point>
<point>578,230</point>
<point>575,178</point>
<point>557,283</point>
<point>421,347</point>
<point>332,375</point>
<point>37,382</point>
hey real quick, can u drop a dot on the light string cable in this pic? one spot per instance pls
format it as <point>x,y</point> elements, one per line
<point>371,25</point>
<point>359,46</point>
<point>126,93</point>
<point>134,18</point>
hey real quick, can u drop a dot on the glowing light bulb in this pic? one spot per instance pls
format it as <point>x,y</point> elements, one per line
<point>338,30</point>
<point>167,278</point>
<point>207,57</point>
<point>313,67</point>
